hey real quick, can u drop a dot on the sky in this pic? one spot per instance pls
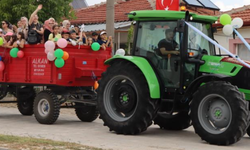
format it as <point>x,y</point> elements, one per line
<point>222,4</point>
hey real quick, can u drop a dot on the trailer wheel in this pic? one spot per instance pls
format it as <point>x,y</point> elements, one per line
<point>124,101</point>
<point>3,91</point>
<point>178,121</point>
<point>219,113</point>
<point>25,103</point>
<point>86,113</point>
<point>46,107</point>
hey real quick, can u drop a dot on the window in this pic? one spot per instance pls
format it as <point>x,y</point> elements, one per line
<point>198,44</point>
<point>151,33</point>
<point>243,52</point>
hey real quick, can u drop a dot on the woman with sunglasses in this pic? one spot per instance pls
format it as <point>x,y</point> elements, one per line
<point>6,27</point>
<point>48,24</point>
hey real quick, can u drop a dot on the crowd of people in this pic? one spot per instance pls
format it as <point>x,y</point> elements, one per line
<point>30,31</point>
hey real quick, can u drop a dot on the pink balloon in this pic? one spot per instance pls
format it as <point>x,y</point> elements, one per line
<point>2,66</point>
<point>62,43</point>
<point>49,45</point>
<point>46,51</point>
<point>20,54</point>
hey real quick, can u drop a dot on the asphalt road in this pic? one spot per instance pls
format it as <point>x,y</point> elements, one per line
<point>69,128</point>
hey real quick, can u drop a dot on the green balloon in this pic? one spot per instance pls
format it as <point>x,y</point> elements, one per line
<point>59,53</point>
<point>56,39</point>
<point>1,41</point>
<point>13,52</point>
<point>225,19</point>
<point>95,46</point>
<point>59,62</point>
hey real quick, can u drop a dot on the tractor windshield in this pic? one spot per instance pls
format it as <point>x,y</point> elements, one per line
<point>198,44</point>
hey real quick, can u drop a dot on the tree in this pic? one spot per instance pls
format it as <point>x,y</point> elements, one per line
<point>13,10</point>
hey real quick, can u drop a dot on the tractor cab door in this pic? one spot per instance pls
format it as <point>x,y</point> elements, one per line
<point>197,46</point>
<point>160,44</point>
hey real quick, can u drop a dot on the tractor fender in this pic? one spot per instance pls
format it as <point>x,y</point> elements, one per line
<point>203,79</point>
<point>146,69</point>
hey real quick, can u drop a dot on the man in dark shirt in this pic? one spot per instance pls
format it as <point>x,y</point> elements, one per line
<point>168,45</point>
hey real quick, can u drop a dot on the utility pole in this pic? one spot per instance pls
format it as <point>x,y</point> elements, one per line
<point>110,18</point>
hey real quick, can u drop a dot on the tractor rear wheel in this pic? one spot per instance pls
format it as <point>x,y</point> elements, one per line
<point>86,113</point>
<point>46,107</point>
<point>124,101</point>
<point>178,121</point>
<point>219,113</point>
<point>248,131</point>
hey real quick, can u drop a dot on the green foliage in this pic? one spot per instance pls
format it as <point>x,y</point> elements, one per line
<point>13,10</point>
<point>129,39</point>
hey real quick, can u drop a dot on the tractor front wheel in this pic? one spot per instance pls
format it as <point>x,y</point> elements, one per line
<point>219,113</point>
<point>124,101</point>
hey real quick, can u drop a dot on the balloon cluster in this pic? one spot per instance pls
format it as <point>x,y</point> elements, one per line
<point>230,24</point>
<point>57,54</point>
<point>15,52</point>
<point>2,66</point>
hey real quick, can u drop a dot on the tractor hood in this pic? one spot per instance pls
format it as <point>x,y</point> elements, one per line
<point>219,65</point>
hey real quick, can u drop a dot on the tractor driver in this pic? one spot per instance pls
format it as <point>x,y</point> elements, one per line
<point>168,45</point>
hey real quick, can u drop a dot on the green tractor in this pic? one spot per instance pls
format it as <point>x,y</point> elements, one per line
<point>175,78</point>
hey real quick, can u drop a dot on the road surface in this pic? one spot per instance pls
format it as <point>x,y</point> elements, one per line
<point>69,128</point>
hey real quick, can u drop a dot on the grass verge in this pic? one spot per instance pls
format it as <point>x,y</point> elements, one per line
<point>29,143</point>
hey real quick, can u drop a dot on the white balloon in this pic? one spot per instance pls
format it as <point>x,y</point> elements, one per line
<point>73,43</point>
<point>50,56</point>
<point>120,52</point>
<point>227,29</point>
<point>237,23</point>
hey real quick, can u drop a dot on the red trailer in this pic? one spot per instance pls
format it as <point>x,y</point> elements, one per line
<point>69,86</point>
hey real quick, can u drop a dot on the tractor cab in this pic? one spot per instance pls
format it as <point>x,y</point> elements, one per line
<point>173,51</point>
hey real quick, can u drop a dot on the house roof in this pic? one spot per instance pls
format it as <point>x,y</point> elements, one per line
<point>241,12</point>
<point>97,14</point>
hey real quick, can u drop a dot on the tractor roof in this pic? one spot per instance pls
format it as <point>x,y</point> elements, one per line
<point>151,15</point>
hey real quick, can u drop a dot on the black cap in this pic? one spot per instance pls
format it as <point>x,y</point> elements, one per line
<point>94,34</point>
<point>72,31</point>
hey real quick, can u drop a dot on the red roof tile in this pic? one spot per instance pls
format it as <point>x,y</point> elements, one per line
<point>241,12</point>
<point>97,13</point>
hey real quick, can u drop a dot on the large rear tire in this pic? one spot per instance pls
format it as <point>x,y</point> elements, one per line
<point>123,99</point>
<point>178,121</point>
<point>219,113</point>
<point>86,113</point>
<point>46,107</point>
<point>248,131</point>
